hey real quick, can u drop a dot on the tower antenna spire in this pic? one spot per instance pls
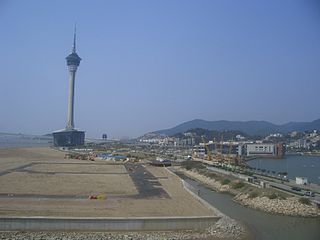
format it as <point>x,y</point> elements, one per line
<point>74,39</point>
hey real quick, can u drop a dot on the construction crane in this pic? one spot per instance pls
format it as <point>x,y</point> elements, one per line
<point>209,157</point>
<point>221,148</point>
<point>230,158</point>
<point>216,148</point>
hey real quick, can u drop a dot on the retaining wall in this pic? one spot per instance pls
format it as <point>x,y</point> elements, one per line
<point>105,224</point>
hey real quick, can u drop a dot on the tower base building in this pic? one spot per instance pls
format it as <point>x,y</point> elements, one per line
<point>68,138</point>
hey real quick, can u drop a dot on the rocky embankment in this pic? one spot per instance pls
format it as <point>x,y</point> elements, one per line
<point>225,228</point>
<point>210,182</point>
<point>290,206</point>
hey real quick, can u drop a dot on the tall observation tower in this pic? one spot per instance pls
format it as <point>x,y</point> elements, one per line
<point>70,136</point>
<point>73,61</point>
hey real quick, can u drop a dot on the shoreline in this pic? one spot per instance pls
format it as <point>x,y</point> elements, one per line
<point>289,206</point>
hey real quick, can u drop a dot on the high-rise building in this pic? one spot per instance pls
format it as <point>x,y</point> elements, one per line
<point>70,136</point>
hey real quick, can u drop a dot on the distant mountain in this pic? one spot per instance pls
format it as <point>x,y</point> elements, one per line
<point>252,128</point>
<point>199,134</point>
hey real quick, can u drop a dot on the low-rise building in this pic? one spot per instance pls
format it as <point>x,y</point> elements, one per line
<point>301,180</point>
<point>266,150</point>
<point>260,149</point>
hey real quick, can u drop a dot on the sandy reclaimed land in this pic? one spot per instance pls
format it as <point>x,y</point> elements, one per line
<point>78,168</point>
<point>57,184</point>
<point>51,174</point>
<point>14,157</point>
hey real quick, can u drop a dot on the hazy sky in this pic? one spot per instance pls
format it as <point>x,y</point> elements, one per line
<point>149,65</point>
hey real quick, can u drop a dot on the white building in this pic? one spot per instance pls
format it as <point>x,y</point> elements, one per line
<point>301,180</point>
<point>261,149</point>
<point>302,143</point>
<point>240,150</point>
<point>239,137</point>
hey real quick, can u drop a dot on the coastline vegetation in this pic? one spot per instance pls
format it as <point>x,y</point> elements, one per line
<point>238,185</point>
<point>305,201</point>
<point>253,194</point>
<point>225,181</point>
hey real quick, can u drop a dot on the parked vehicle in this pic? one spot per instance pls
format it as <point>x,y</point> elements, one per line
<point>309,194</point>
<point>296,189</point>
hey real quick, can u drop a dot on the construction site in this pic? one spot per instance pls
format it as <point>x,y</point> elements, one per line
<point>41,182</point>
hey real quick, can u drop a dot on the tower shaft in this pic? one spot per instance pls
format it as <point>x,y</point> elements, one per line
<point>70,122</point>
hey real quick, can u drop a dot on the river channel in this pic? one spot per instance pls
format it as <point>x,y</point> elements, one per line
<point>261,225</point>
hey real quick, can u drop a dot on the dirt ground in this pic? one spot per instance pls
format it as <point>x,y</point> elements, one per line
<point>55,184</point>
<point>78,168</point>
<point>40,182</point>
